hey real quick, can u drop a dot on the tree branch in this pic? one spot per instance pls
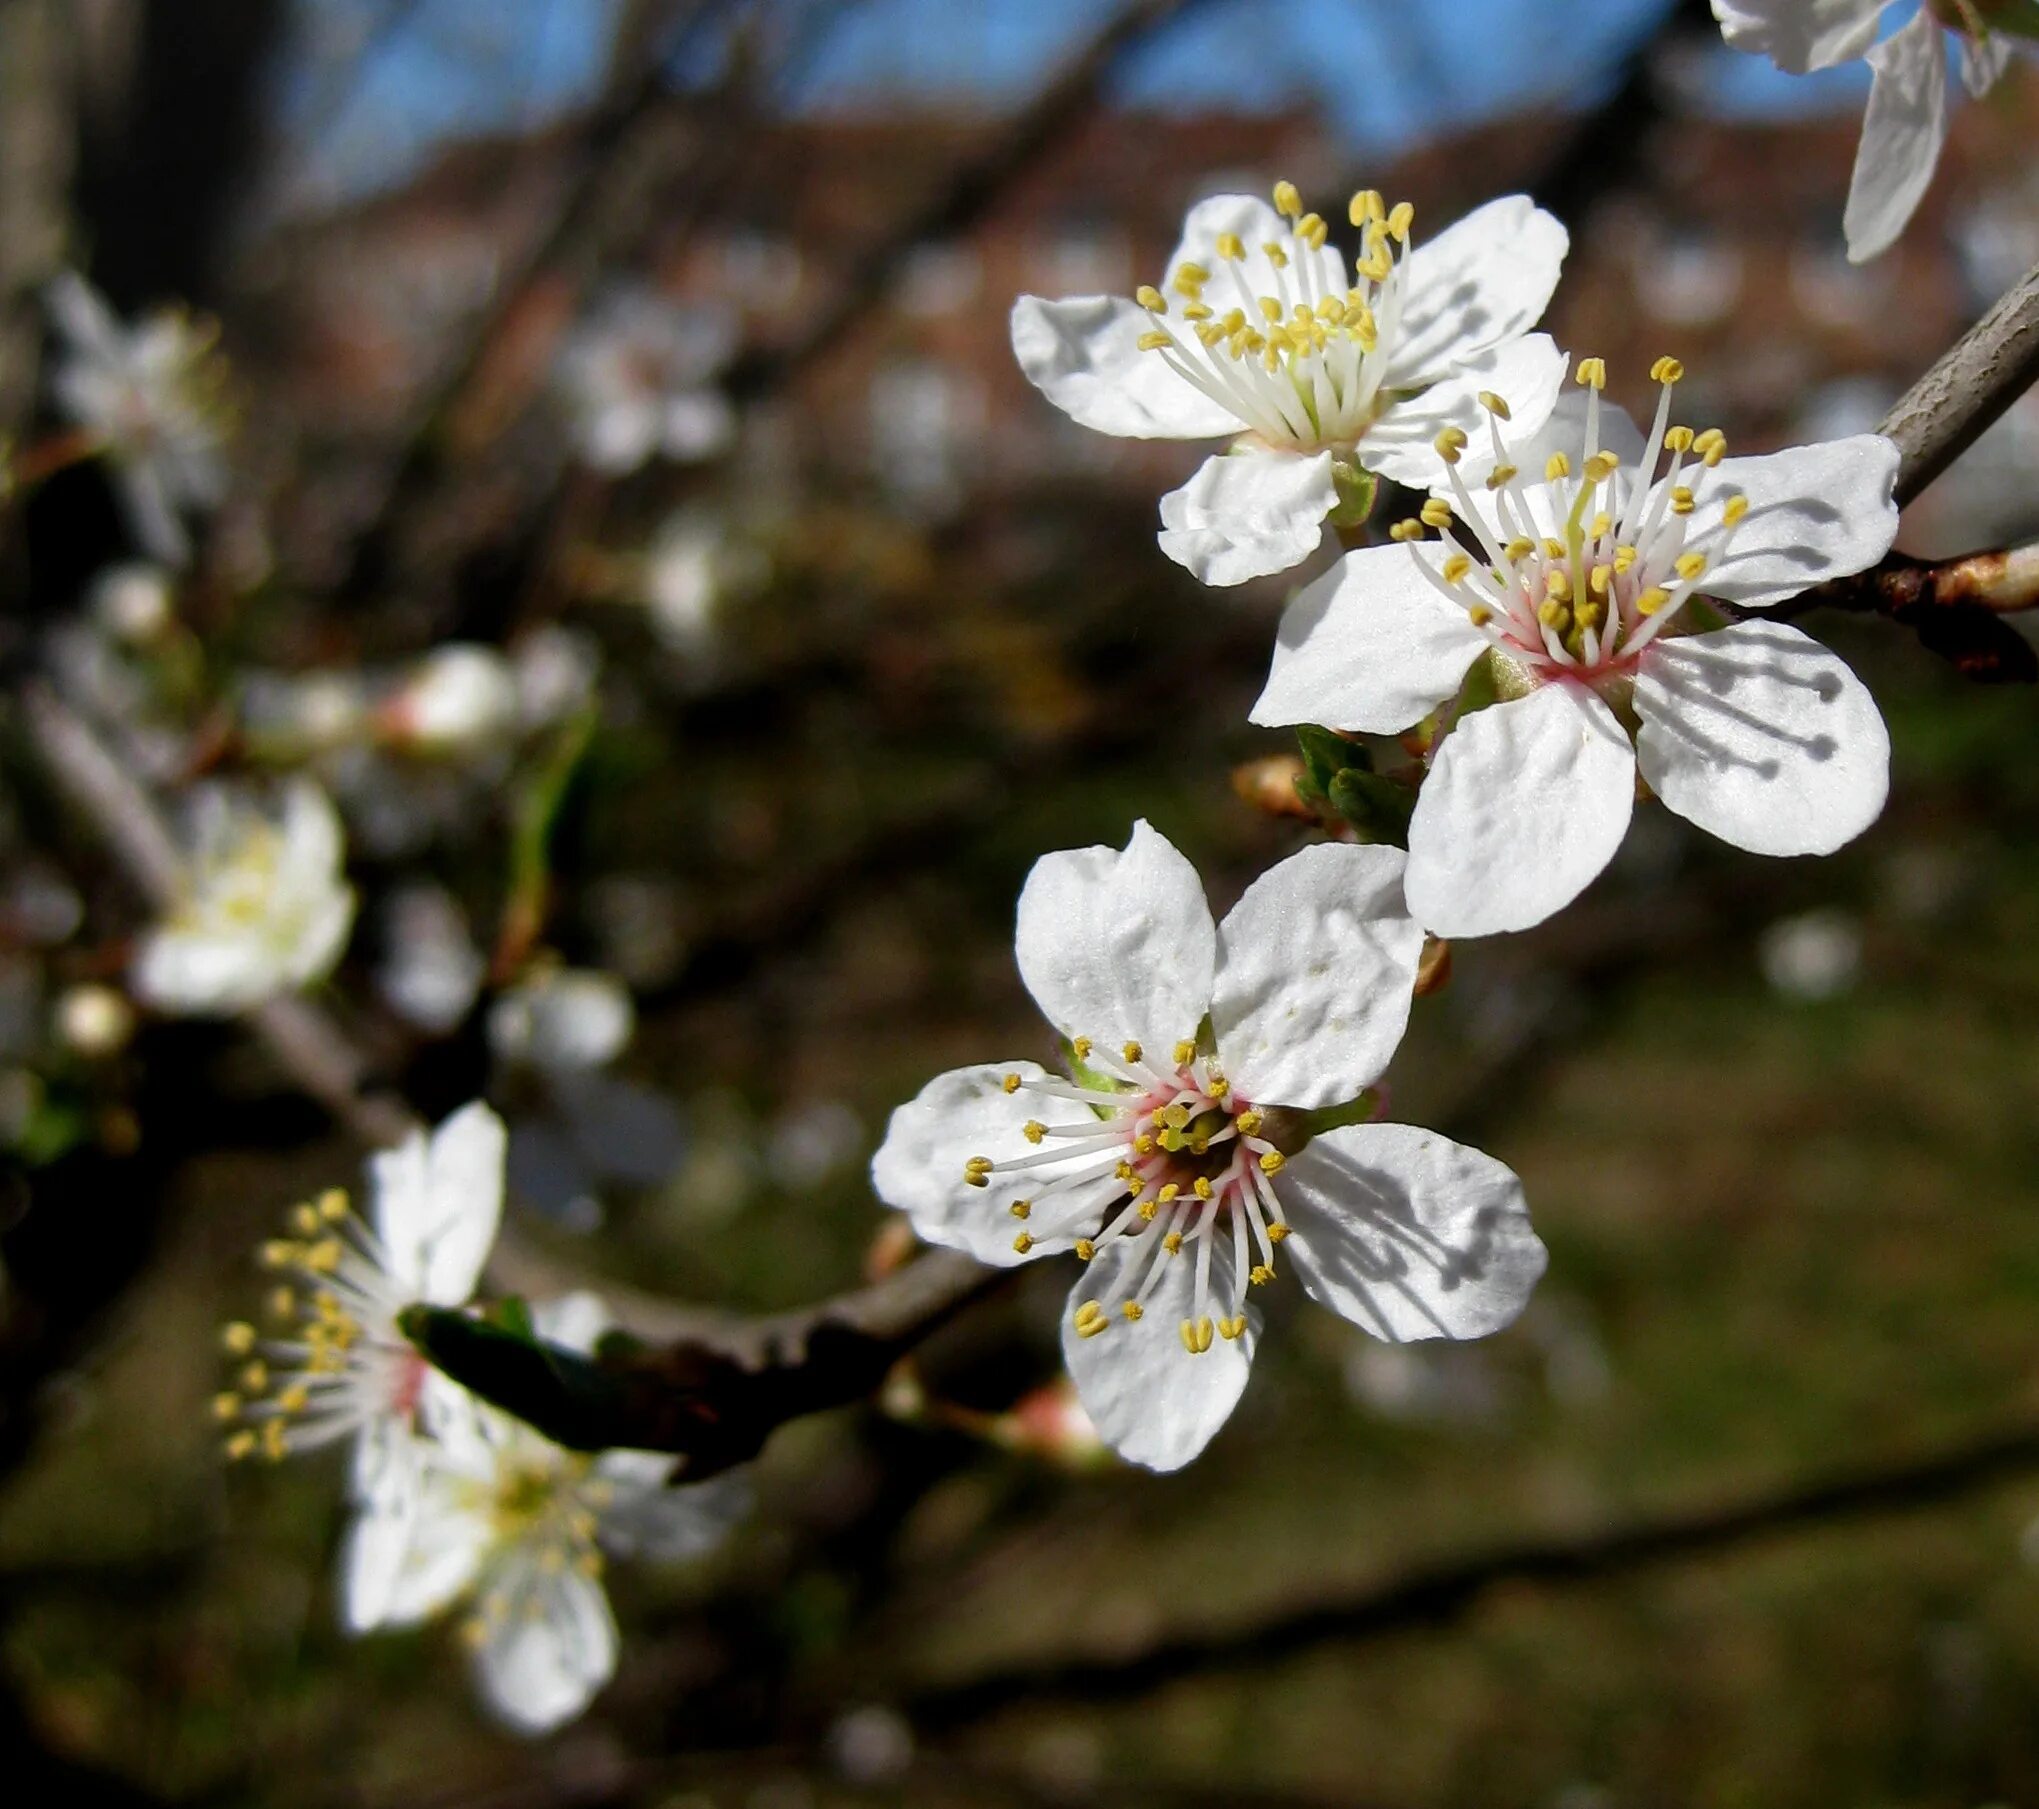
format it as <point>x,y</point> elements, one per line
<point>1955,607</point>
<point>1436,1595</point>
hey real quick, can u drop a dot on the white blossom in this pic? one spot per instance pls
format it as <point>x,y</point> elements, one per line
<point>263,907</point>
<point>133,602</point>
<point>637,378</point>
<point>431,972</point>
<point>1906,122</point>
<point>1256,334</point>
<point>1587,590</point>
<point>520,1528</point>
<point>152,397</point>
<point>457,699</point>
<point>1178,1156</point>
<point>337,1366</point>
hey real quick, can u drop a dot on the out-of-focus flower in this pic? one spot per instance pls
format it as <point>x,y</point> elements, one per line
<point>153,397</point>
<point>1906,123</point>
<point>263,906</point>
<point>456,699</point>
<point>339,1367</point>
<point>637,377</point>
<point>556,670</point>
<point>563,1027</point>
<point>1181,1153</point>
<point>521,1528</point>
<point>132,602</point>
<point>431,971</point>
<point>1582,594</point>
<point>1257,334</point>
<point>94,1021</point>
<point>1815,955</point>
<point>694,569</point>
<point>296,717</point>
<point>811,1142</point>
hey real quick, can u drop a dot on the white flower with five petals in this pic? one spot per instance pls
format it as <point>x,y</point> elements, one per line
<point>152,396</point>
<point>1906,122</point>
<point>263,906</point>
<point>520,1528</point>
<point>638,380</point>
<point>1177,1160</point>
<point>337,1366</point>
<point>1259,336</point>
<point>1585,591</point>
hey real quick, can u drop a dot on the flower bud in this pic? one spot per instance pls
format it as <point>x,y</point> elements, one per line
<point>94,1021</point>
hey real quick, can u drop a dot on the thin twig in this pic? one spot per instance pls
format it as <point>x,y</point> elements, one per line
<point>1435,1595</point>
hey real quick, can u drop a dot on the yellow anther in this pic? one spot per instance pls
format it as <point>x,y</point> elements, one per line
<point>1148,1208</point>
<point>1276,1231</point>
<point>1218,1086</point>
<point>1196,1336</point>
<point>1556,466</point>
<point>1456,567</point>
<point>282,1303</point>
<point>1555,614</point>
<point>1624,557</point>
<point>1271,1162</point>
<point>1592,373</point>
<point>1187,288</point>
<point>1089,1328</point>
<point>280,1253</point>
<point>1197,311</point>
<point>1409,528</point>
<point>226,1407</point>
<point>1010,1084</point>
<point>1085,1249</point>
<point>1276,254</point>
<point>1202,1187</point>
<point>1133,1052</point>
<point>1586,613</point>
<point>1260,1275</point>
<point>1711,446</point>
<point>240,1447</point>
<point>1187,272</point>
<point>1144,1144</point>
<point>1332,311</point>
<point>1171,1139</point>
<point>254,1377</point>
<point>1554,549</point>
<point>1600,578</point>
<point>1679,439</point>
<point>1690,566</point>
<point>1652,600</point>
<point>1479,615</point>
<point>1436,513</point>
<point>1200,1144</point>
<point>1270,309</point>
<point>1601,466</point>
<point>1081,1048</point>
<point>1185,1052</point>
<point>1231,247</point>
<point>1400,219</point>
<point>294,1399</point>
<point>1169,1191</point>
<point>1232,1329</point>
<point>1151,299</point>
<point>305,1220</point>
<point>237,1339</point>
<point>1600,526</point>
<point>1558,583</point>
<point>1450,443</point>
<point>1288,199</point>
<point>1088,1313</point>
<point>1024,1242</point>
<point>275,1441</point>
<point>977,1172</point>
<point>1495,405</point>
<point>324,1256</point>
<point>1033,1130</point>
<point>1134,1311</point>
<point>333,1205</point>
<point>1249,1123</point>
<point>1366,205</point>
<point>1172,1243</point>
<point>1667,370</point>
<point>1312,230</point>
<point>1155,342</point>
<point>1681,500</point>
<point>1519,549</point>
<point>1501,476</point>
<point>1737,507</point>
<point>1021,1209</point>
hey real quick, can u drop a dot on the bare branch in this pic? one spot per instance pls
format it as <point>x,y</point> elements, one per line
<point>1439,1594</point>
<point>1943,414</point>
<point>1956,607</point>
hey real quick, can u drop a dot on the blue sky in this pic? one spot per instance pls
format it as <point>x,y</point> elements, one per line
<point>1383,71</point>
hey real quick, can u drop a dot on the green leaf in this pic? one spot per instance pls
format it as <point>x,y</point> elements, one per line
<point>1378,809</point>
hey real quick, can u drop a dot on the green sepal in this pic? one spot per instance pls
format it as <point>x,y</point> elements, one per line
<point>1359,1110</point>
<point>570,1398</point>
<point>1326,754</point>
<point>1358,491</point>
<point>1378,809</point>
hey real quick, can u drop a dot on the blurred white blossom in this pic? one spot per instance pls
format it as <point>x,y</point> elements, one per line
<point>431,971</point>
<point>1815,955</point>
<point>637,377</point>
<point>133,602</point>
<point>695,567</point>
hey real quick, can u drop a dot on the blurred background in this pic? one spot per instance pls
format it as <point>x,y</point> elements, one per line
<point>797,706</point>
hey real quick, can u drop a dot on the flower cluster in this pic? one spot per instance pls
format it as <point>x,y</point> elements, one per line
<point>453,1502</point>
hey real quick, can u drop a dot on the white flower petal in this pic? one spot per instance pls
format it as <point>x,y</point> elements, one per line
<point>1408,1234</point>
<point>618,437</point>
<point>1368,646</point>
<point>963,1114</point>
<point>573,1321</point>
<point>1800,35</point>
<point>439,1201</point>
<point>82,316</point>
<point>1084,355</point>
<point>1526,803</point>
<point>540,1665</point>
<point>1315,966</point>
<point>411,1554</point>
<point>1761,736</point>
<point>1526,373</point>
<point>1256,224</point>
<point>1901,135</point>
<point>698,424</point>
<point>201,974</point>
<point>152,516</point>
<point>1248,514</point>
<point>1118,946</point>
<point>647,1518</point>
<point>1984,61</point>
<point>1815,512</point>
<point>1484,280</point>
<point>1150,1399</point>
